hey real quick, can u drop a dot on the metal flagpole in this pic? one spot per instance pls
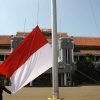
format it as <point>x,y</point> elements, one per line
<point>55,54</point>
<point>55,92</point>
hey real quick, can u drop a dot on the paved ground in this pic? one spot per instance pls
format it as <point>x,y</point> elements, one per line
<point>68,93</point>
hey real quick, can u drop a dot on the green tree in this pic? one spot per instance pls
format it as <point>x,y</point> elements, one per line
<point>85,72</point>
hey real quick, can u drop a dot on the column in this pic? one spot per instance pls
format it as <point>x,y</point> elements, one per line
<point>65,81</point>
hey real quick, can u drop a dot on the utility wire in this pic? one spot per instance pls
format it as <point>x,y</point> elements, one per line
<point>37,12</point>
<point>94,17</point>
<point>24,27</point>
<point>88,76</point>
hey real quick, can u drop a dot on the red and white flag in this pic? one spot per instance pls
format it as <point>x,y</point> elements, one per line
<point>31,58</point>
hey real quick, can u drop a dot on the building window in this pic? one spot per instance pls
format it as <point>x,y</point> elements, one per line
<point>97,58</point>
<point>1,57</point>
<point>75,58</point>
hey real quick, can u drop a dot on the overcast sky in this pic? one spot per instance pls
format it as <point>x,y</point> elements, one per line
<point>76,17</point>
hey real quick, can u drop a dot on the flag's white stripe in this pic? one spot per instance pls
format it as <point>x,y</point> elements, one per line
<point>38,63</point>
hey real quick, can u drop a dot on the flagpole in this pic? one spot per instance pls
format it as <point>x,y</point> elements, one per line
<point>55,54</point>
<point>55,86</point>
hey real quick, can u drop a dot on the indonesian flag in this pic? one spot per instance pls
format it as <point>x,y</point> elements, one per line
<point>31,58</point>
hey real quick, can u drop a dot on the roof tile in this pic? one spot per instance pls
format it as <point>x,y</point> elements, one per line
<point>5,39</point>
<point>87,41</point>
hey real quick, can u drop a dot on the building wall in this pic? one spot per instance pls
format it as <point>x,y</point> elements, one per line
<point>69,54</point>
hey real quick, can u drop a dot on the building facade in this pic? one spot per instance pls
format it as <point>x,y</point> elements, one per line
<point>71,50</point>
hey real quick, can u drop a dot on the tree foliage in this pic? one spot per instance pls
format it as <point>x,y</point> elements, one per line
<point>86,72</point>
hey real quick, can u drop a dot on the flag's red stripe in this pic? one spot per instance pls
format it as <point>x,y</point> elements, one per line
<point>25,49</point>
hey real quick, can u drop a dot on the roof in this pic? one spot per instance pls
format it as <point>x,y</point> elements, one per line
<point>46,32</point>
<point>86,41</point>
<point>5,39</point>
<point>21,34</point>
<point>62,35</point>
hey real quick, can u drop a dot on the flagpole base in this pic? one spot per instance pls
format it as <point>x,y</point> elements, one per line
<point>54,98</point>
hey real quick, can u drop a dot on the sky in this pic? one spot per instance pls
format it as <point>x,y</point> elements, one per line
<point>75,17</point>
